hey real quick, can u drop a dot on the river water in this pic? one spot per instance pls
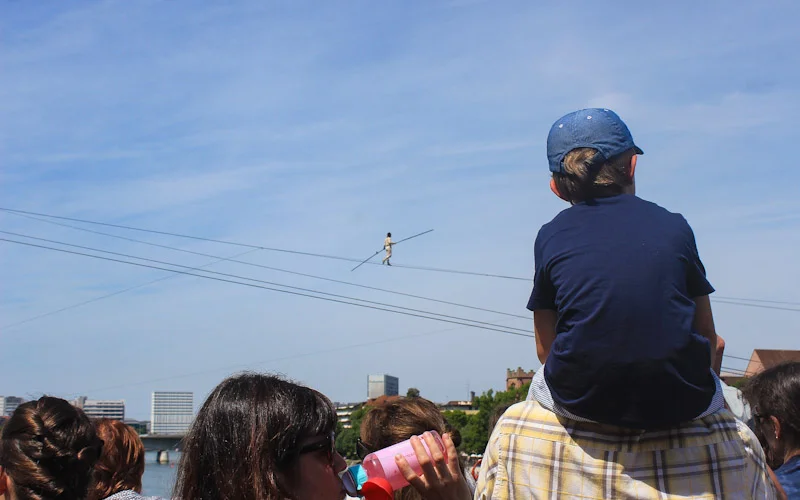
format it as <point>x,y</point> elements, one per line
<point>158,478</point>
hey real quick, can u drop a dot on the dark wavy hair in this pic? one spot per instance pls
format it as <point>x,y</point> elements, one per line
<point>775,392</point>
<point>121,463</point>
<point>48,448</point>
<point>242,443</point>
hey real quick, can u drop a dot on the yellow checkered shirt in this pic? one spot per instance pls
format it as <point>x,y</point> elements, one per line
<point>535,454</point>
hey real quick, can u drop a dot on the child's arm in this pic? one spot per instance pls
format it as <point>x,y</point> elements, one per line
<point>699,289</point>
<point>704,324</point>
<point>720,352</point>
<point>544,326</point>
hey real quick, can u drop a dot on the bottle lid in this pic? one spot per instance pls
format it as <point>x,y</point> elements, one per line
<point>360,475</point>
<point>377,489</point>
<point>353,478</point>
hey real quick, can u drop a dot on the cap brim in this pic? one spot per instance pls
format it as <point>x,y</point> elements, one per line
<point>638,150</point>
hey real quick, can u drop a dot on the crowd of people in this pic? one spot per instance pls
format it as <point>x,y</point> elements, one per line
<point>260,437</point>
<point>628,403</point>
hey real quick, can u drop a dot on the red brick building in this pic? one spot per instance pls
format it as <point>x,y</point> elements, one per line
<point>517,378</point>
<point>762,359</point>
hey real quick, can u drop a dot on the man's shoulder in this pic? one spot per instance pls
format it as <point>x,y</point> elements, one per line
<point>530,419</point>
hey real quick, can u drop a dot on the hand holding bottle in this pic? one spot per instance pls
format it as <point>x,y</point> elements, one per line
<point>442,478</point>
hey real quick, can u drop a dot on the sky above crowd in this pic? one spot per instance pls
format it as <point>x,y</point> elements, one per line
<point>320,126</point>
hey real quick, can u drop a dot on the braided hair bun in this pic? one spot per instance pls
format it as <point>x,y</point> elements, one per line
<point>49,448</point>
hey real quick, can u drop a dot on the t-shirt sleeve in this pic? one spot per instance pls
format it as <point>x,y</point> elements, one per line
<point>697,284</point>
<point>543,295</point>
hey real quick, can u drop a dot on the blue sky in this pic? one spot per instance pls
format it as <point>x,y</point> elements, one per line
<point>319,126</point>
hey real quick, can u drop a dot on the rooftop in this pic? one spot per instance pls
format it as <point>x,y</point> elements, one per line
<point>774,357</point>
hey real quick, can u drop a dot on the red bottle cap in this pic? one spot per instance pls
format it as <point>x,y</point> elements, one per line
<point>377,489</point>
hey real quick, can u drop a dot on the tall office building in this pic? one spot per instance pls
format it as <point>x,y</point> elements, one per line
<point>8,404</point>
<point>102,408</point>
<point>171,412</point>
<point>382,385</point>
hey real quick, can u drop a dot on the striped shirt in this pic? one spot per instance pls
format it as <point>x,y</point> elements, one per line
<point>535,454</point>
<point>130,495</point>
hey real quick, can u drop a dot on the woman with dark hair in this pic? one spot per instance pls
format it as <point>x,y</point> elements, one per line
<point>259,437</point>
<point>774,396</point>
<point>47,451</point>
<point>118,472</point>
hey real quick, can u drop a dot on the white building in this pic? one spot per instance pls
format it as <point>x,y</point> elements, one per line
<point>382,385</point>
<point>343,412</point>
<point>8,404</point>
<point>171,412</point>
<point>102,408</point>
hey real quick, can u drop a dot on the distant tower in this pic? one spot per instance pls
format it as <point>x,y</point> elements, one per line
<point>382,385</point>
<point>8,404</point>
<point>517,378</point>
<point>171,413</point>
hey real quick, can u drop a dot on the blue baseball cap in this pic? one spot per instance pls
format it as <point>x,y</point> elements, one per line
<point>596,128</point>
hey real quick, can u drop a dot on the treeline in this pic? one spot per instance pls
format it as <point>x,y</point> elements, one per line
<point>473,427</point>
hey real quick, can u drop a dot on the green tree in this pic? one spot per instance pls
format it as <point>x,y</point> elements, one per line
<point>457,418</point>
<point>739,384</point>
<point>474,429</point>
<point>346,438</point>
<point>412,392</point>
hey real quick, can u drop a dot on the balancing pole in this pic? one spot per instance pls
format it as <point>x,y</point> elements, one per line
<point>381,250</point>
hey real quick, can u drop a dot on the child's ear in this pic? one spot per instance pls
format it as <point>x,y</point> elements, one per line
<point>633,165</point>
<point>554,189</point>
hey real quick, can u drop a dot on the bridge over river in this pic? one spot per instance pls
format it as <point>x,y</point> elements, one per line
<point>162,444</point>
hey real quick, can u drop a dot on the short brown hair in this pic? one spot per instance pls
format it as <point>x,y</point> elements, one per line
<point>584,178</point>
<point>398,420</point>
<point>121,462</point>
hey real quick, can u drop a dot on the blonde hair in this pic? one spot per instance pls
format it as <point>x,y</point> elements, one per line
<point>585,179</point>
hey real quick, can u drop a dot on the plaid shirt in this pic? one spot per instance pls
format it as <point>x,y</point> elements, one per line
<point>535,454</point>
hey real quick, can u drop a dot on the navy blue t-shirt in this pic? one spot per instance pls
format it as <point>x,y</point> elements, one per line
<point>622,274</point>
<point>788,475</point>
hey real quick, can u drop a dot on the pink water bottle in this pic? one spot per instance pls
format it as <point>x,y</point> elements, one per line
<point>381,464</point>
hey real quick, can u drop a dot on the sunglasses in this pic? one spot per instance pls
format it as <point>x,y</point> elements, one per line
<point>362,449</point>
<point>327,444</point>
